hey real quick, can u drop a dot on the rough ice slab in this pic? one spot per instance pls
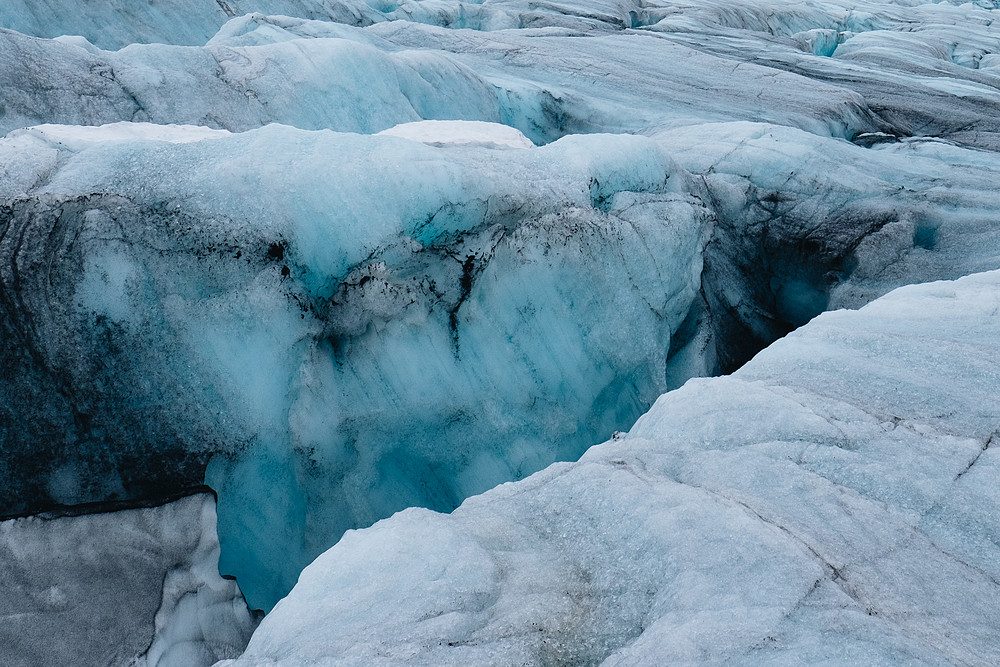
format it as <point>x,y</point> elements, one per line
<point>808,223</point>
<point>832,503</point>
<point>127,588</point>
<point>338,326</point>
<point>460,133</point>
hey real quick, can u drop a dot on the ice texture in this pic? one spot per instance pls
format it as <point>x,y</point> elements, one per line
<point>128,588</point>
<point>353,325</point>
<point>217,265</point>
<point>833,502</point>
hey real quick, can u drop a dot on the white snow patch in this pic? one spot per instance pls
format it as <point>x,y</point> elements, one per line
<point>80,137</point>
<point>460,132</point>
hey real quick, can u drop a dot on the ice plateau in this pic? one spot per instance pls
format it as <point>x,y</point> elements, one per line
<point>340,258</point>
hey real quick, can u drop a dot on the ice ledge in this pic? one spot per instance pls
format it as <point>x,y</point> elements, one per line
<point>460,133</point>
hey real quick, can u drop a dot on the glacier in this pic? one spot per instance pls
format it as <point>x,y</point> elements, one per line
<point>337,259</point>
<point>282,327</point>
<point>833,502</point>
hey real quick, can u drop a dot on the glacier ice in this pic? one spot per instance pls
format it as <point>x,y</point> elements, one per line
<point>460,132</point>
<point>807,224</point>
<point>815,507</point>
<point>134,587</point>
<point>291,248</point>
<point>314,340</point>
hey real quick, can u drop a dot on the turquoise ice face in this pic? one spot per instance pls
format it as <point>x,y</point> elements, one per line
<point>341,326</point>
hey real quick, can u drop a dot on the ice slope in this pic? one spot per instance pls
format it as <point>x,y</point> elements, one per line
<point>338,326</point>
<point>899,69</point>
<point>833,502</point>
<point>128,588</point>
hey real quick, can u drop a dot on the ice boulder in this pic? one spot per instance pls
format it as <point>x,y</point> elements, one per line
<point>327,328</point>
<point>834,502</point>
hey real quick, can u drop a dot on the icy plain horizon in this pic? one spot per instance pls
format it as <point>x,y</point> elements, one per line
<point>594,332</point>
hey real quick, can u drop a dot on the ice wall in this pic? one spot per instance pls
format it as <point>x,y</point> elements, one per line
<point>339,326</point>
<point>831,503</point>
<point>128,588</point>
<point>807,224</point>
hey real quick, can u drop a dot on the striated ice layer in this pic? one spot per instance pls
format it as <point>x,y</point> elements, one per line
<point>328,328</point>
<point>127,588</point>
<point>831,503</point>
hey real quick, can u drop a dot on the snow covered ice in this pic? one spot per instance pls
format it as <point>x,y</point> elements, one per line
<point>461,132</point>
<point>340,259</point>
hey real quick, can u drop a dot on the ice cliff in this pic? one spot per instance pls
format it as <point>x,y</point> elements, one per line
<point>340,259</point>
<point>352,326</point>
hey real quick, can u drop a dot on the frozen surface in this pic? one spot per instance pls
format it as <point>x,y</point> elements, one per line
<point>127,588</point>
<point>217,265</point>
<point>832,503</point>
<point>461,133</point>
<point>339,326</point>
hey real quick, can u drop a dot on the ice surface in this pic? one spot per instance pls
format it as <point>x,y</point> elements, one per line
<point>460,132</point>
<point>812,508</point>
<point>127,588</point>
<point>330,327</point>
<point>351,326</point>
